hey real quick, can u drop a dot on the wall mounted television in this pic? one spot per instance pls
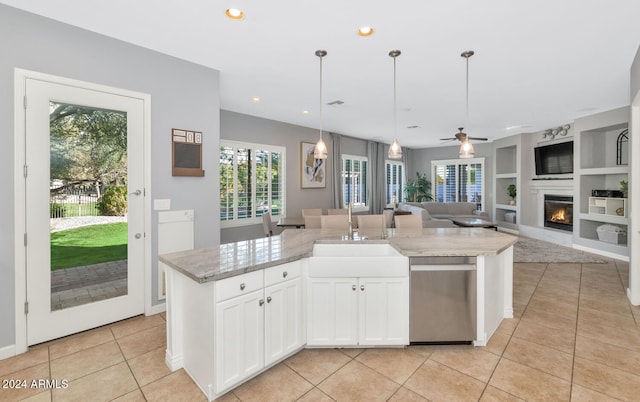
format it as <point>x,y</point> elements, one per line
<point>554,159</point>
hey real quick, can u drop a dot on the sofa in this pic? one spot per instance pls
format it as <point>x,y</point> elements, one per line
<point>439,214</point>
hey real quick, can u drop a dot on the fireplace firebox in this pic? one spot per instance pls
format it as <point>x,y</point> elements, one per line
<point>558,212</point>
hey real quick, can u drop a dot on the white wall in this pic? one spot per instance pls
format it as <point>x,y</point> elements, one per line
<point>183,95</point>
<point>634,183</point>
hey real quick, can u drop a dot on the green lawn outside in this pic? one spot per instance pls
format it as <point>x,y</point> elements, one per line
<point>88,245</point>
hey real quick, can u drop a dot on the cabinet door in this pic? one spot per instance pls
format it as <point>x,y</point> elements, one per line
<point>282,319</point>
<point>239,331</point>
<point>384,311</point>
<point>332,312</point>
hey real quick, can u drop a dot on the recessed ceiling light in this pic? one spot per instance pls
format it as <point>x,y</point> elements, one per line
<point>305,112</point>
<point>234,14</point>
<point>255,99</point>
<point>365,31</point>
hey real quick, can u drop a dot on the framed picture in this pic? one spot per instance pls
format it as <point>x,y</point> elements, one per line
<point>313,172</point>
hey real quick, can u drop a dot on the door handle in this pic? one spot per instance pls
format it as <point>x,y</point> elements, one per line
<point>137,235</point>
<point>269,299</point>
<point>284,274</point>
<point>137,192</point>
<point>261,302</point>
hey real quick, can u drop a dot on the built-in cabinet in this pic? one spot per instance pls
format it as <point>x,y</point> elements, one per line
<point>601,165</point>
<point>506,169</point>
<point>355,311</point>
<point>241,325</point>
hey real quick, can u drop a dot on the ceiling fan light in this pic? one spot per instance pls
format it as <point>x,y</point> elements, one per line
<point>395,150</point>
<point>320,150</point>
<point>466,150</point>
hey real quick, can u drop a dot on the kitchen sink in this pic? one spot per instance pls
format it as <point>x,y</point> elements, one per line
<point>357,260</point>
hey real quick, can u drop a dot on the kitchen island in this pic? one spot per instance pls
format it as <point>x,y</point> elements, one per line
<point>237,309</point>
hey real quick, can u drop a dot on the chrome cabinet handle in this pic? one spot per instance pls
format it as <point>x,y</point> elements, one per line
<point>261,302</point>
<point>362,287</point>
<point>269,299</point>
<point>353,287</point>
<point>242,286</point>
<point>284,274</point>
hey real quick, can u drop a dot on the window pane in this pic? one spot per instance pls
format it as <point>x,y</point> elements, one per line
<point>226,183</point>
<point>245,205</point>
<point>262,182</point>
<point>276,186</point>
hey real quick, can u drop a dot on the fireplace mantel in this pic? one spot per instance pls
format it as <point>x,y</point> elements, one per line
<point>560,185</point>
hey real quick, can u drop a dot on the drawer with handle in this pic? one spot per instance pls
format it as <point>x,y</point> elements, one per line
<point>281,273</point>
<point>238,285</point>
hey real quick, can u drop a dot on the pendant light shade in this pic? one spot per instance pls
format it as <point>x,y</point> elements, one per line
<point>320,150</point>
<point>395,150</point>
<point>466,149</point>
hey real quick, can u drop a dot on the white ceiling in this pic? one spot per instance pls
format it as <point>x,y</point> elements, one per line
<point>538,64</point>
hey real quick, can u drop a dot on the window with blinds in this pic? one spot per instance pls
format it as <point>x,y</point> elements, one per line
<point>394,191</point>
<point>354,182</point>
<point>459,181</point>
<point>252,182</point>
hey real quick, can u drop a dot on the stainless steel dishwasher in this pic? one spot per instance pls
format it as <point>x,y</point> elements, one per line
<point>443,300</point>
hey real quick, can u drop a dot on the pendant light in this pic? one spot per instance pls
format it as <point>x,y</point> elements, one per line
<point>466,149</point>
<point>395,150</point>
<point>320,150</point>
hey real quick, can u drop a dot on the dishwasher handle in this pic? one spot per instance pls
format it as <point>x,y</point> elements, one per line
<point>444,267</point>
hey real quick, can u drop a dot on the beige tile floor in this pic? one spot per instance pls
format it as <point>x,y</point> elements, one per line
<point>574,337</point>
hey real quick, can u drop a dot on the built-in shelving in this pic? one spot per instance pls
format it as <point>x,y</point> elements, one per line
<point>596,155</point>
<point>507,172</point>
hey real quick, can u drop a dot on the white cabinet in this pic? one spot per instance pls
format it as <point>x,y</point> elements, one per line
<point>239,339</point>
<point>283,319</point>
<point>608,206</point>
<point>383,311</point>
<point>332,312</point>
<point>258,321</point>
<point>358,311</point>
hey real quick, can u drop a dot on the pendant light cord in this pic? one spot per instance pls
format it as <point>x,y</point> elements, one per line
<point>467,102</point>
<point>395,108</point>
<point>320,103</point>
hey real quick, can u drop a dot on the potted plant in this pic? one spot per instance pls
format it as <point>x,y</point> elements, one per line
<point>512,191</point>
<point>624,187</point>
<point>418,190</point>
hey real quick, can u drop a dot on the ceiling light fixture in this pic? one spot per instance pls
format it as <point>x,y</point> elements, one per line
<point>466,149</point>
<point>234,14</point>
<point>255,99</point>
<point>365,31</point>
<point>320,150</point>
<point>395,150</point>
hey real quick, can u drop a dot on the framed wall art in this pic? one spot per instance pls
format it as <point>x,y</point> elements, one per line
<point>313,172</point>
<point>186,153</point>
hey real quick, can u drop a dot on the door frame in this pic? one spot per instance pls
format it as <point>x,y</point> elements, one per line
<point>20,77</point>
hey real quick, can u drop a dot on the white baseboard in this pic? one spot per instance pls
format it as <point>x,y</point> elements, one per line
<point>158,308</point>
<point>601,252</point>
<point>7,352</point>
<point>173,362</point>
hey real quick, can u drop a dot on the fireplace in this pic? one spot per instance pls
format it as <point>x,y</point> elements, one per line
<point>558,212</point>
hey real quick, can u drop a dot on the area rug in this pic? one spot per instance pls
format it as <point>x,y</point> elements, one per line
<point>531,250</point>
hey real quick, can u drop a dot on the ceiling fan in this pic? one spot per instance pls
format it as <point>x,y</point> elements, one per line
<point>463,136</point>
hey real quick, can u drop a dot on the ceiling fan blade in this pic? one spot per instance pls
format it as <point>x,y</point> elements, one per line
<point>447,139</point>
<point>478,138</point>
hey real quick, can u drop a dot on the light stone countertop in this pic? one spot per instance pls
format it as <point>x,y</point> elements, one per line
<point>219,262</point>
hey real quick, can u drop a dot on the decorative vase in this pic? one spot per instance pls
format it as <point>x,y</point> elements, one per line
<point>512,202</point>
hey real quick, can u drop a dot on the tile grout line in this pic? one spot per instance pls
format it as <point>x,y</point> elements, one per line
<point>128,366</point>
<point>575,337</point>
<point>511,337</point>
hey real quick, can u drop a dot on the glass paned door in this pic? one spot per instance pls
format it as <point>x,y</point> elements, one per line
<point>84,202</point>
<point>88,204</point>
